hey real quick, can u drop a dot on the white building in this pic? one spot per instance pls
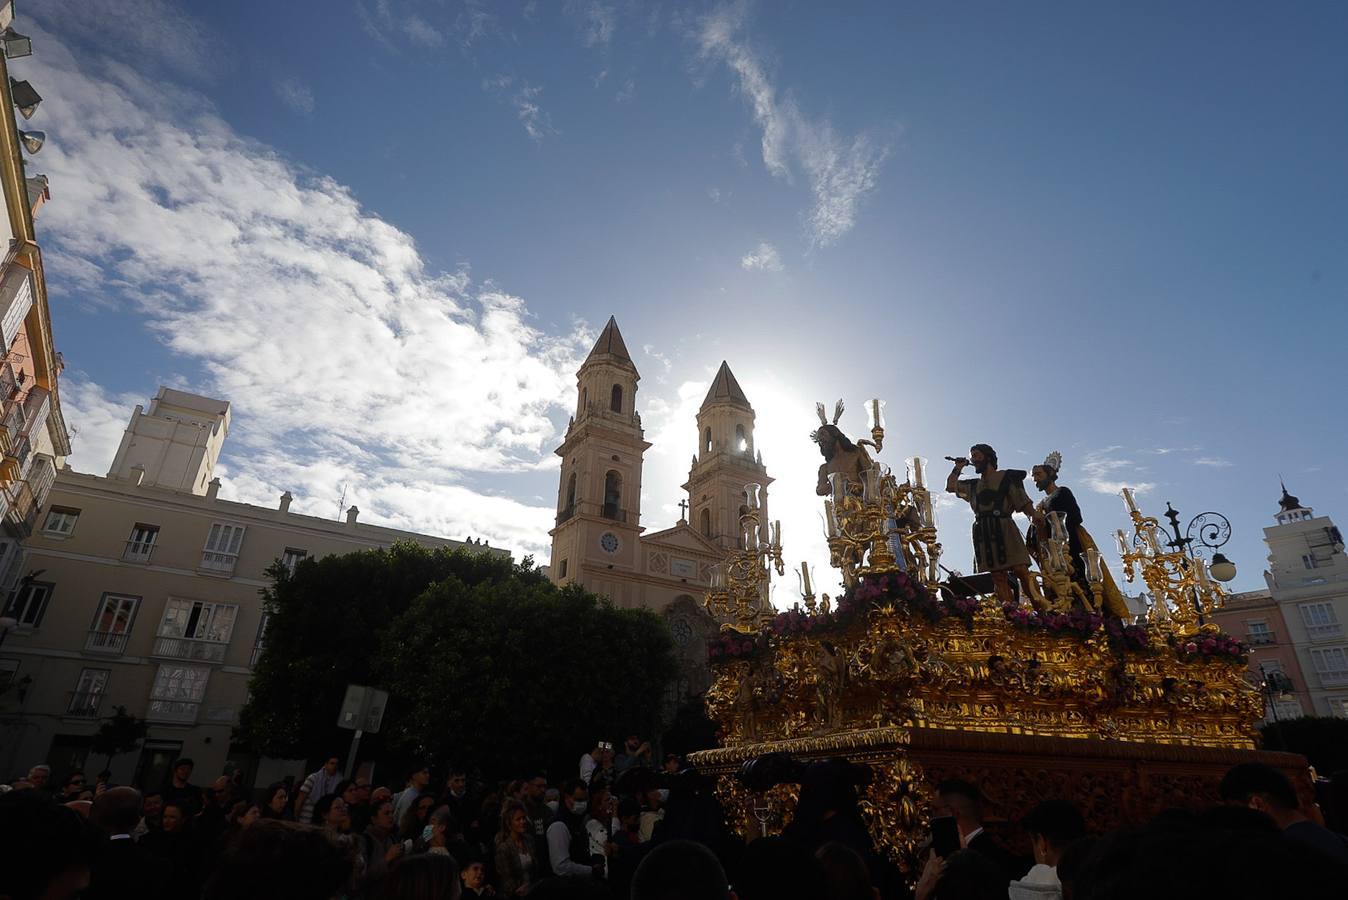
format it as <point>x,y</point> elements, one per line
<point>1308,579</point>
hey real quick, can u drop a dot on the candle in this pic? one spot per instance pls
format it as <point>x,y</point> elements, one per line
<point>777,534</point>
<point>1094,573</point>
<point>831,517</point>
<point>1129,501</point>
<point>751,495</point>
<point>917,471</point>
<point>1122,540</point>
<point>877,411</point>
<point>871,485</point>
<point>838,482</point>
<point>807,588</point>
<point>1201,572</point>
<point>750,538</point>
<point>925,513</point>
<point>1153,543</point>
<point>1058,525</point>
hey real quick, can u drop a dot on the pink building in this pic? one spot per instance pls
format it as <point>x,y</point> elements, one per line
<point>1256,618</point>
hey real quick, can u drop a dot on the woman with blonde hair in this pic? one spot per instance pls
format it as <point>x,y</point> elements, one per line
<point>516,853</point>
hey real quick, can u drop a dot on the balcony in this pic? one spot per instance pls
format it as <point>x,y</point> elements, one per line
<point>106,642</point>
<point>219,563</point>
<point>85,704</point>
<point>1262,639</point>
<point>1333,679</point>
<point>41,477</point>
<point>609,511</point>
<point>186,648</point>
<point>22,509</point>
<point>1324,632</point>
<point>138,552</point>
<point>176,712</point>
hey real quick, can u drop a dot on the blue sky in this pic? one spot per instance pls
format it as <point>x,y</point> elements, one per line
<point>387,230</point>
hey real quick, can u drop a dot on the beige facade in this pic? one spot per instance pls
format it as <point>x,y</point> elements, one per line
<point>1256,618</point>
<point>145,594</point>
<point>599,541</point>
<point>1308,579</point>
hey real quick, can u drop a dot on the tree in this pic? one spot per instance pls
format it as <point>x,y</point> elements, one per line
<point>486,662</point>
<point>515,673</point>
<point>119,733</point>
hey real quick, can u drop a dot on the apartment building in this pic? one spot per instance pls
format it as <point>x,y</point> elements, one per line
<point>1256,618</point>
<point>143,591</point>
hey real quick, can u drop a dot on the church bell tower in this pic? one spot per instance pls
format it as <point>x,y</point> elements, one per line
<point>726,461</point>
<point>599,498</point>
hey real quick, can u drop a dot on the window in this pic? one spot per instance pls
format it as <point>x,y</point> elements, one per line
<point>1258,633</point>
<point>30,603</point>
<point>561,569</point>
<point>706,441</point>
<point>615,400</point>
<point>292,558</point>
<point>741,439</point>
<point>260,641</point>
<point>198,621</point>
<point>570,493</point>
<point>222,548</point>
<point>141,543</point>
<point>1308,560</point>
<point>1331,664</point>
<point>1321,621</point>
<point>61,520</point>
<point>88,693</point>
<point>177,692</point>
<point>112,623</point>
<point>706,522</point>
<point>613,495</point>
<point>584,400</point>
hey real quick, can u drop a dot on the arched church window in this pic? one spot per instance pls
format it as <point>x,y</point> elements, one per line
<point>741,440</point>
<point>570,492</point>
<point>584,398</point>
<point>706,523</point>
<point>615,400</point>
<point>613,494</point>
<point>706,440</point>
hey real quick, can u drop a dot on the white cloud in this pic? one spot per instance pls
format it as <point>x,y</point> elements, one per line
<point>763,258</point>
<point>296,95</point>
<point>599,22</point>
<point>1215,462</point>
<point>840,172</point>
<point>419,31</point>
<point>145,29</point>
<point>524,99</point>
<point>344,356</point>
<point>627,92</point>
<point>1104,472</point>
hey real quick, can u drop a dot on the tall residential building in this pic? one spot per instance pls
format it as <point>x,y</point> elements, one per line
<point>33,437</point>
<point>1308,579</point>
<point>599,540</point>
<point>1256,618</point>
<point>144,593</point>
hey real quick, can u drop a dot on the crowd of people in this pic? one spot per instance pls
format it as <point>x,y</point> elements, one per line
<point>624,826</point>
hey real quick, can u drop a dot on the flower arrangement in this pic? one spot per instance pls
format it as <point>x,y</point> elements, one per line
<point>1076,622</point>
<point>1210,646</point>
<point>733,645</point>
<point>898,589</point>
<point>1127,637</point>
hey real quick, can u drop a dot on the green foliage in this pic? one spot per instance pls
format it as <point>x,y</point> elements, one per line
<point>119,733</point>
<point>1322,740</point>
<point>485,661</point>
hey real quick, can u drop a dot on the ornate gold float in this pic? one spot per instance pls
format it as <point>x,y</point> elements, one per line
<point>905,665</point>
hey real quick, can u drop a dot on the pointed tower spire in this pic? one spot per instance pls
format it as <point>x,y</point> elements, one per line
<point>725,389</point>
<point>610,347</point>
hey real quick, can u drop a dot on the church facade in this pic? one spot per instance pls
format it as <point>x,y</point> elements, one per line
<point>600,541</point>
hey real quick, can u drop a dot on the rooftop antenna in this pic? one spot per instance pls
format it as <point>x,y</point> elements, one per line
<point>341,501</point>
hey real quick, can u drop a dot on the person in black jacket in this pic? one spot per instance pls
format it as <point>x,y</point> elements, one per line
<point>962,800</point>
<point>122,868</point>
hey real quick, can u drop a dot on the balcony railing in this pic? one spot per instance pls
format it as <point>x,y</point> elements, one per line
<point>106,641</point>
<point>21,514</point>
<point>1261,639</point>
<point>1324,632</point>
<point>1333,679</point>
<point>138,551</point>
<point>223,563</point>
<point>85,704</point>
<point>186,648</point>
<point>41,478</point>
<point>176,711</point>
<point>609,511</point>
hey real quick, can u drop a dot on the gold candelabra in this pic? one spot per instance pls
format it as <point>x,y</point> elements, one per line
<point>1182,589</point>
<point>870,525</point>
<point>741,587</point>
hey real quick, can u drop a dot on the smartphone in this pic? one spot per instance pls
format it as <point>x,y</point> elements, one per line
<point>945,836</point>
<point>407,847</point>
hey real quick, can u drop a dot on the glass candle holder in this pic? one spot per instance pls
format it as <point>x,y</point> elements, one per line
<point>777,534</point>
<point>806,589</point>
<point>718,577</point>
<point>871,480</point>
<point>831,519</point>
<point>917,471</point>
<point>1153,541</point>
<point>751,495</point>
<point>751,537</point>
<point>1121,541</point>
<point>1201,572</point>
<point>1129,501</point>
<point>837,481</point>
<point>1095,572</point>
<point>926,513</point>
<point>875,413</point>
<point>1057,525</point>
